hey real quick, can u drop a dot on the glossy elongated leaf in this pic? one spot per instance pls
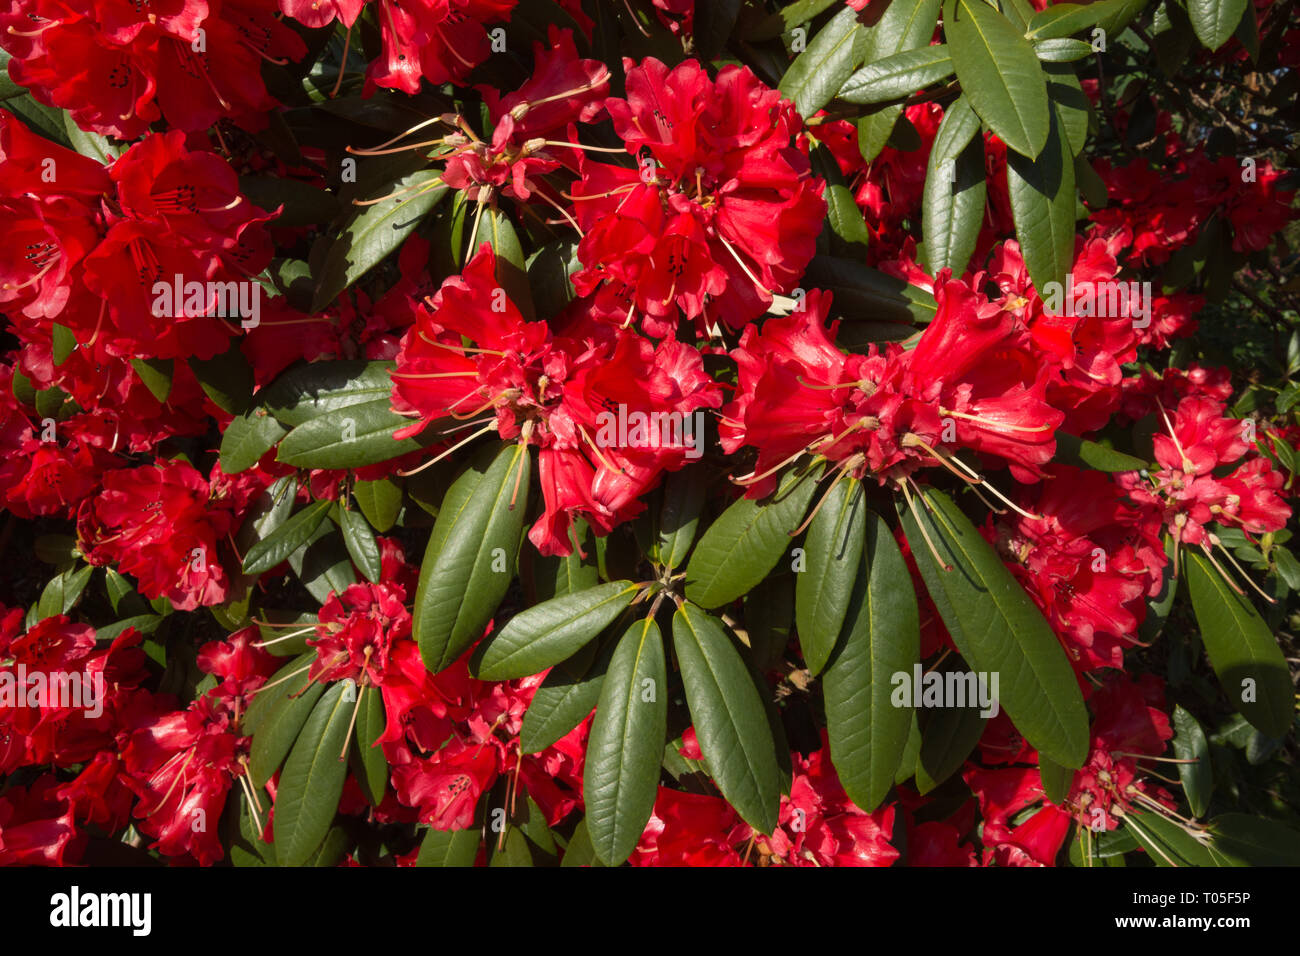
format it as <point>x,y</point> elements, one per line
<point>1067,19</point>
<point>372,232</point>
<point>361,543</point>
<point>1190,744</point>
<point>512,273</point>
<point>952,205</point>
<point>307,391</point>
<point>1167,843</point>
<point>1215,20</point>
<point>281,726</point>
<point>264,701</point>
<point>1246,840</point>
<point>621,773</point>
<point>227,379</point>
<point>449,847</point>
<point>1056,780</point>
<point>1073,109</point>
<point>547,633</point>
<point>860,290</point>
<point>1242,649</point>
<point>470,560</point>
<point>881,637</point>
<point>380,501</point>
<point>787,18</point>
<point>849,235</point>
<point>998,629</point>
<point>312,780</point>
<point>948,735</point>
<point>833,551</point>
<point>324,564</point>
<point>1043,207</point>
<point>745,542</point>
<point>286,539</point>
<point>729,718</point>
<point>373,770</point>
<point>580,852</point>
<point>999,74</point>
<point>561,703</point>
<point>903,26</point>
<point>679,517</point>
<point>1061,50</point>
<point>1089,454</point>
<point>156,375</point>
<point>897,76</point>
<point>247,438</point>
<point>350,437</point>
<point>830,59</point>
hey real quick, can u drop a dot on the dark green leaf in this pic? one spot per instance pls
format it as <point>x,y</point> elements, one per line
<point>350,437</point>
<point>546,634</point>
<point>361,543</point>
<point>373,771</point>
<point>621,773</point>
<point>1242,649</point>
<point>881,637</point>
<point>283,722</point>
<point>307,391</point>
<point>1215,20</point>
<point>729,718</point>
<point>998,629</point>
<point>449,848</point>
<point>999,74</point>
<point>830,59</point>
<point>679,516</point>
<point>1043,205</point>
<point>1248,840</point>
<point>952,207</point>
<point>286,539</point>
<point>247,438</point>
<point>312,781</point>
<point>897,76</point>
<point>227,379</point>
<point>1082,453</point>
<point>1190,744</point>
<point>471,558</point>
<point>380,501</point>
<point>742,546</point>
<point>833,551</point>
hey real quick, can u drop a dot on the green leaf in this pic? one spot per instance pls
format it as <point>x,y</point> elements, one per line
<point>1073,109</point>
<point>1167,843</point>
<point>561,703</point>
<point>62,592</point>
<point>999,74</point>
<point>1082,453</point>
<point>350,437</point>
<point>511,271</point>
<point>372,232</point>
<point>729,718</point>
<point>948,735</point>
<point>549,576</point>
<point>787,18</point>
<point>1061,50</point>
<point>304,204</point>
<point>323,565</point>
<point>860,290</point>
<point>998,629</point>
<point>897,76</point>
<point>621,774</point>
<point>1067,19</point>
<point>881,637</point>
<point>360,542</point>
<point>1215,20</point>
<point>1242,649</point>
<point>281,726</point>
<point>580,852</point>
<point>952,206</point>
<point>903,26</point>
<point>744,544</point>
<point>309,390</point>
<point>1287,566</point>
<point>833,550</point>
<point>449,848</point>
<point>819,71</point>
<point>547,633</point>
<point>264,700</point>
<point>1190,744</point>
<point>373,770</point>
<point>64,343</point>
<point>1056,780</point>
<point>470,559</point>
<point>312,781</point>
<point>1248,840</point>
<point>380,501</point>
<point>849,235</point>
<point>678,517</point>
<point>286,539</point>
<point>247,438</point>
<point>227,379</point>
<point>1043,206</point>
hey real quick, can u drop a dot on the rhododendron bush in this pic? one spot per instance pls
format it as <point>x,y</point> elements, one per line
<point>535,432</point>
